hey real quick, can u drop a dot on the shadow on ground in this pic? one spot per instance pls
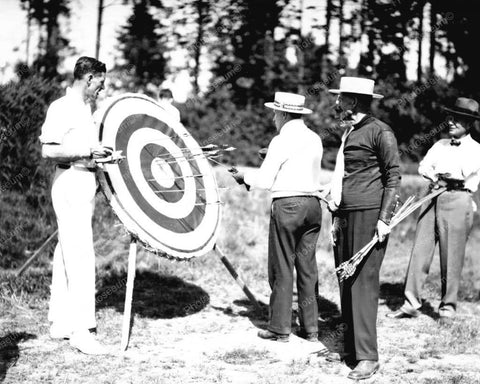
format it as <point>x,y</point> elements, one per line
<point>394,298</point>
<point>392,294</point>
<point>155,296</point>
<point>9,351</point>
<point>330,326</point>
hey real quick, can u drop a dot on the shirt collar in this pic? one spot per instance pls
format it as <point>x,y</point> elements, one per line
<point>358,117</point>
<point>289,125</point>
<point>464,138</point>
<point>73,95</point>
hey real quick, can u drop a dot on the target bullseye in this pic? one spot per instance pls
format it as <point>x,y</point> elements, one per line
<point>162,173</point>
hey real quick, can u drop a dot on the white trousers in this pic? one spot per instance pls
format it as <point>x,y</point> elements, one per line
<point>72,301</point>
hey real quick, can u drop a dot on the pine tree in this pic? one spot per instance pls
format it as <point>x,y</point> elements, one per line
<point>51,43</point>
<point>142,46</point>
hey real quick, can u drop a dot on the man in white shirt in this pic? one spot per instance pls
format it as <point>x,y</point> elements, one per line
<point>165,99</point>
<point>291,171</point>
<point>447,219</point>
<point>69,137</point>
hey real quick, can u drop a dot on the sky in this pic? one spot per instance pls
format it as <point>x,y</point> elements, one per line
<point>81,30</point>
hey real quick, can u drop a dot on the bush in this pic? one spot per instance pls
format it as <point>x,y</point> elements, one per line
<point>25,206</point>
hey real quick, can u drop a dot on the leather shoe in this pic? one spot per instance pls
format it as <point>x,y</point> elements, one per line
<point>364,370</point>
<point>404,313</point>
<point>335,357</point>
<point>446,313</point>
<point>312,337</point>
<point>269,335</point>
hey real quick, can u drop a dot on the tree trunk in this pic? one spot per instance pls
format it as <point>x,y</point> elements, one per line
<point>200,6</point>
<point>99,28</point>
<point>300,55</point>
<point>329,23</point>
<point>340,33</point>
<point>433,28</point>
<point>421,5</point>
<point>29,33</point>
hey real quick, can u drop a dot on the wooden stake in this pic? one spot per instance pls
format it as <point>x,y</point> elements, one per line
<point>38,252</point>
<point>237,279</point>
<point>132,258</point>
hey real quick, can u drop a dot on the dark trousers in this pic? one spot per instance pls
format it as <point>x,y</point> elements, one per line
<point>447,220</point>
<point>359,294</point>
<point>294,229</point>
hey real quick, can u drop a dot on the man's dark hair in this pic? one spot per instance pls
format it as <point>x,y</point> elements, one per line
<point>86,65</point>
<point>293,116</point>
<point>165,93</point>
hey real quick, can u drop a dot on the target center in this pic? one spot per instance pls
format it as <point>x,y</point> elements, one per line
<point>162,173</point>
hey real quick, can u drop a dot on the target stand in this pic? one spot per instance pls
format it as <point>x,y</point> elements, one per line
<point>164,192</point>
<point>132,255</point>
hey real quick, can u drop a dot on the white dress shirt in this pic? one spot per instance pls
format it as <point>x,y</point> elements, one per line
<point>337,178</point>
<point>293,163</point>
<point>171,110</point>
<point>69,122</point>
<point>462,162</point>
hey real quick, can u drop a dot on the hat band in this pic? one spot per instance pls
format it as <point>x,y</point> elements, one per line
<point>464,110</point>
<point>295,107</point>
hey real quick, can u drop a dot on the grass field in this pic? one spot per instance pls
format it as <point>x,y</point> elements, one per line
<point>192,324</point>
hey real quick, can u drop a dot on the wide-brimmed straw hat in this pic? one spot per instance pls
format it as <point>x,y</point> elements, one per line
<point>357,85</point>
<point>289,102</point>
<point>465,107</point>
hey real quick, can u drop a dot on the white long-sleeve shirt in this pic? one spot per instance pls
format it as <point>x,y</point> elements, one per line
<point>292,166</point>
<point>462,162</point>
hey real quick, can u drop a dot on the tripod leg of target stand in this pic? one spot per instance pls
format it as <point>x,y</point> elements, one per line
<point>237,279</point>
<point>132,258</point>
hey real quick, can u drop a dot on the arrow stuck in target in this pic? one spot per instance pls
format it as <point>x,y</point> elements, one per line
<point>183,190</point>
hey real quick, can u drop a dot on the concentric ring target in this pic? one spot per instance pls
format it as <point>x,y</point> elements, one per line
<point>164,192</point>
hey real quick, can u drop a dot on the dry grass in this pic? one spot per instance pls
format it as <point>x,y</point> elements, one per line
<point>192,324</point>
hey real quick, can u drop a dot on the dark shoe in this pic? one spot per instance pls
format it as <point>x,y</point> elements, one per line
<point>446,313</point>
<point>312,337</point>
<point>335,357</point>
<point>269,335</point>
<point>364,370</point>
<point>404,313</point>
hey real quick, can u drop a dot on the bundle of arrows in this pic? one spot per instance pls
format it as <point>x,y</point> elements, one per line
<point>347,268</point>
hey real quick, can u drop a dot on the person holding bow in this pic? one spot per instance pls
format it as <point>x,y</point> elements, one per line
<point>363,193</point>
<point>452,163</point>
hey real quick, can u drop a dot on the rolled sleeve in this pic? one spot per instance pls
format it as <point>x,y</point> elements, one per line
<point>426,167</point>
<point>264,177</point>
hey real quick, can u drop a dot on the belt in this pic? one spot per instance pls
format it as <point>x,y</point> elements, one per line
<point>289,197</point>
<point>68,166</point>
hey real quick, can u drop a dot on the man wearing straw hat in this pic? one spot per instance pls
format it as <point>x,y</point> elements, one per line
<point>291,171</point>
<point>363,193</point>
<point>452,163</point>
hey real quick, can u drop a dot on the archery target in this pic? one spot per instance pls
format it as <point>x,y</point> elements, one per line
<point>164,192</point>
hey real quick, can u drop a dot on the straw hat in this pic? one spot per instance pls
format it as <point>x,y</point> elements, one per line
<point>356,85</point>
<point>289,102</point>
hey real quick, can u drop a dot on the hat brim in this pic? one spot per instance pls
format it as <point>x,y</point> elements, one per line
<point>374,95</point>
<point>465,114</point>
<point>303,111</point>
